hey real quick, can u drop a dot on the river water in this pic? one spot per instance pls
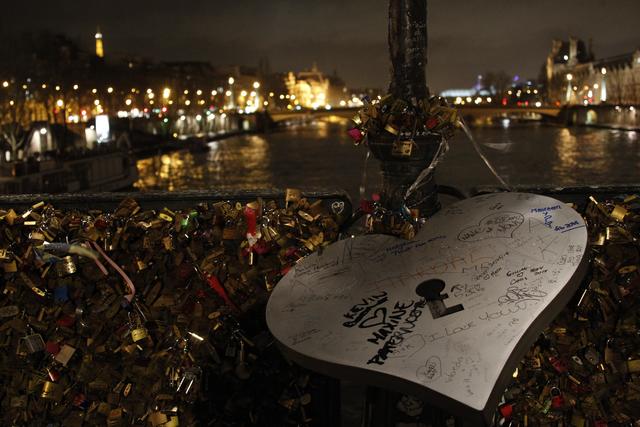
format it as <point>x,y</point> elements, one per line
<point>321,155</point>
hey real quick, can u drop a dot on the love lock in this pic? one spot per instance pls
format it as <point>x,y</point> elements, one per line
<point>445,317</point>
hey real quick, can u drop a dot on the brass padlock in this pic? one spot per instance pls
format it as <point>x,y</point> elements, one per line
<point>402,148</point>
<point>138,334</point>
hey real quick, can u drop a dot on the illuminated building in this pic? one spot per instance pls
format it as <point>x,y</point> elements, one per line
<point>574,76</point>
<point>308,89</point>
<point>99,46</point>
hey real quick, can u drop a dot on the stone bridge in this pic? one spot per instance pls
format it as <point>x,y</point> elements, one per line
<point>467,111</point>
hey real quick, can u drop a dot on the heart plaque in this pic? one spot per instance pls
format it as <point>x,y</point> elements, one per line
<point>446,316</point>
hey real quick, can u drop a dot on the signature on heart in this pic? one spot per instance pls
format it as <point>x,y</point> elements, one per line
<point>500,224</point>
<point>430,371</point>
<point>377,318</point>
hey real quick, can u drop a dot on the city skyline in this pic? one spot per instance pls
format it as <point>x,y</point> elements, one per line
<point>465,39</point>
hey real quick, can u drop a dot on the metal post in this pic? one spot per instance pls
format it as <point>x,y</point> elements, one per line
<point>408,48</point>
<point>408,55</point>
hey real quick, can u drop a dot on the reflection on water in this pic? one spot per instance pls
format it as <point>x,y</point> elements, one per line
<point>322,155</point>
<point>234,163</point>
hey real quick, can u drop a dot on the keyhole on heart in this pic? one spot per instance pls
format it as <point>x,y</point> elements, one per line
<point>431,291</point>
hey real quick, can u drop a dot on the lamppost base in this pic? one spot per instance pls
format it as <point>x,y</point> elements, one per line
<point>399,172</point>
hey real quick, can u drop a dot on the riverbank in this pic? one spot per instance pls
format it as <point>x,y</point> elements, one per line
<point>620,117</point>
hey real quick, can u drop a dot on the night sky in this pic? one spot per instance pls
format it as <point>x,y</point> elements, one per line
<point>466,37</point>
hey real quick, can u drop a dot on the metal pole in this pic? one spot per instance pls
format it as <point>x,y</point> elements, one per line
<point>408,54</point>
<point>408,49</point>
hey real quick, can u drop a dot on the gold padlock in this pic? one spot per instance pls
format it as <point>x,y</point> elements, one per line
<point>402,148</point>
<point>51,391</point>
<point>9,267</point>
<point>138,334</point>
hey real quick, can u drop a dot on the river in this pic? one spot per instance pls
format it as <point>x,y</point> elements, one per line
<point>321,155</point>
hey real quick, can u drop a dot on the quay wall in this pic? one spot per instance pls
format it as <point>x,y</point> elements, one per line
<point>624,117</point>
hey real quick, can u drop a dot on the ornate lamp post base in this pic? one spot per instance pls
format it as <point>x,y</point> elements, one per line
<point>400,172</point>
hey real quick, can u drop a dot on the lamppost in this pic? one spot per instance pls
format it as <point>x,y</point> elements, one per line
<point>603,86</point>
<point>232,103</point>
<point>569,79</point>
<point>407,38</point>
<point>256,100</point>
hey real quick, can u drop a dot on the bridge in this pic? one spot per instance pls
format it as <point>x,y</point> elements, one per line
<point>466,111</point>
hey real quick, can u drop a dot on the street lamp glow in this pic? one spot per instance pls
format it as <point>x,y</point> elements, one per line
<point>94,90</point>
<point>198,92</point>
<point>166,93</point>
<point>96,102</point>
<point>228,93</point>
<point>603,70</point>
<point>214,92</point>
<point>149,90</point>
<point>243,93</point>
<point>57,88</point>
<point>151,95</point>
<point>75,87</point>
<point>44,85</point>
<point>187,102</point>
<point>43,131</point>
<point>231,80</point>
<point>186,91</point>
<point>569,77</point>
<point>109,89</point>
<point>5,84</point>
<point>60,103</point>
<point>256,85</point>
<point>127,101</point>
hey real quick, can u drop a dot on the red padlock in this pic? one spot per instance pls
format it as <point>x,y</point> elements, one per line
<point>558,364</point>
<point>557,400</point>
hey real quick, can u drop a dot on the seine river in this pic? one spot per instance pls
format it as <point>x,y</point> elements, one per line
<point>321,155</point>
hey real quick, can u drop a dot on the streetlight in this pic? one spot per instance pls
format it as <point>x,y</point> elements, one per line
<point>231,100</point>
<point>256,85</point>
<point>603,90</point>
<point>569,78</point>
<point>5,84</point>
<point>166,93</point>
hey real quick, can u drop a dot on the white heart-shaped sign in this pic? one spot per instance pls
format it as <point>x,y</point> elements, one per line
<point>446,316</point>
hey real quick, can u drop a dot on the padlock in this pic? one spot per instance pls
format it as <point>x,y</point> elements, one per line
<point>402,148</point>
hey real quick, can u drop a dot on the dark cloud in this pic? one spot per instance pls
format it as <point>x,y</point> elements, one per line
<point>466,37</point>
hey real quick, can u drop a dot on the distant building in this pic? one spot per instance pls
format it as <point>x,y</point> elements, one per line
<point>308,89</point>
<point>574,76</point>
